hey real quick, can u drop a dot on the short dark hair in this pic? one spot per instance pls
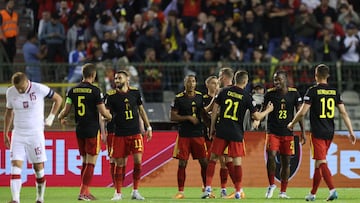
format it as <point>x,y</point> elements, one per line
<point>240,76</point>
<point>123,72</point>
<point>322,71</point>
<point>88,70</point>
<point>229,72</point>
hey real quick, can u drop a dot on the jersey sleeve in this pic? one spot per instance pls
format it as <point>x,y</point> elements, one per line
<point>46,91</point>
<point>98,96</point>
<point>308,96</point>
<point>8,99</point>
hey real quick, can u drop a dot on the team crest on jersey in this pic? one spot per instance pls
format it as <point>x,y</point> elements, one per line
<point>26,104</point>
<point>295,160</point>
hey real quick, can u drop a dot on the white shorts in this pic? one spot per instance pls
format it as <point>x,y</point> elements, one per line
<point>33,147</point>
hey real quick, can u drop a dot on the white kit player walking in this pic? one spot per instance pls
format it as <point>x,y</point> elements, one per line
<point>25,110</point>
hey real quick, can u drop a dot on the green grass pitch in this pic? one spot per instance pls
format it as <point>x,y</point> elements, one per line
<point>165,194</point>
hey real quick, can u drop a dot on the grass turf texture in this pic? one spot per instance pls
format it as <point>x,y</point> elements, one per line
<point>165,194</point>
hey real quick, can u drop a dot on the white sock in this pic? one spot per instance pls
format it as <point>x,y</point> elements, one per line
<point>40,191</point>
<point>15,185</point>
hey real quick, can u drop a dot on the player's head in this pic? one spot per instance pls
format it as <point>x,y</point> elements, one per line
<point>121,79</point>
<point>212,83</point>
<point>241,77</point>
<point>226,75</point>
<point>190,83</point>
<point>20,82</point>
<point>89,71</point>
<point>322,72</point>
<point>280,79</point>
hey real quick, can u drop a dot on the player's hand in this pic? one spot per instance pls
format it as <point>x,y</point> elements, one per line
<point>50,119</point>
<point>270,107</point>
<point>290,126</point>
<point>302,138</point>
<point>148,135</point>
<point>256,124</point>
<point>7,141</point>
<point>352,138</point>
<point>63,121</point>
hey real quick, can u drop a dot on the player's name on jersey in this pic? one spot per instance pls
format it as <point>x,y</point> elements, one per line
<point>82,90</point>
<point>326,92</point>
<point>234,94</point>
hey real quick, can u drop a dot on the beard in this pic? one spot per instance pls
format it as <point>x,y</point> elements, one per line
<point>120,85</point>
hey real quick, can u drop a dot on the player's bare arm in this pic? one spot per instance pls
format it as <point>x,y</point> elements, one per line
<point>64,112</point>
<point>104,112</point>
<point>57,100</point>
<point>260,115</point>
<point>299,115</point>
<point>344,115</point>
<point>144,117</point>
<point>214,117</point>
<point>302,127</point>
<point>8,119</point>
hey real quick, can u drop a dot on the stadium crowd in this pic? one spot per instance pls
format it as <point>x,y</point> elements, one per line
<point>230,31</point>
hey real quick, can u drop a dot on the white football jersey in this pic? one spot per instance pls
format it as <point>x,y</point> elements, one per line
<point>28,107</point>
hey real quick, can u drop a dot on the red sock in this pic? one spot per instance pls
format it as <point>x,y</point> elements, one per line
<point>238,177</point>
<point>87,177</point>
<point>316,181</point>
<point>40,180</point>
<point>224,172</point>
<point>230,167</point>
<point>124,173</point>
<point>181,175</point>
<point>326,175</point>
<point>271,177</point>
<point>118,178</point>
<point>284,184</point>
<point>136,175</point>
<point>112,172</point>
<point>210,172</point>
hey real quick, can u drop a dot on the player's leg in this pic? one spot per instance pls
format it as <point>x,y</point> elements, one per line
<point>109,142</point>
<point>272,146</point>
<point>137,150</point>
<point>40,181</point>
<point>120,152</point>
<point>15,180</point>
<point>198,151</point>
<point>236,150</point>
<point>224,173</point>
<point>284,174</point>
<point>181,152</point>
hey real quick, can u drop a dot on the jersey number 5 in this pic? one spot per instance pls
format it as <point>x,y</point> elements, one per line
<point>327,107</point>
<point>81,106</point>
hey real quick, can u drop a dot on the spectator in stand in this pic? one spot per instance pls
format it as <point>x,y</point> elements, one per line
<point>46,18</point>
<point>123,64</point>
<point>77,9</point>
<point>97,56</point>
<point>189,10</point>
<point>235,10</point>
<point>173,32</point>
<point>217,9</point>
<point>136,7</point>
<point>64,12</point>
<point>230,32</point>
<point>350,53</point>
<point>325,10</point>
<point>94,9</point>
<point>276,17</point>
<point>304,69</point>
<point>148,40</point>
<point>106,23</point>
<point>111,48</point>
<point>134,32</point>
<point>347,15</point>
<point>92,43</point>
<point>77,58</point>
<point>54,36</point>
<point>77,32</point>
<point>43,6</point>
<point>152,77</point>
<point>259,71</point>
<point>152,19</point>
<point>121,8</point>
<point>252,34</point>
<point>234,55</point>
<point>334,27</point>
<point>305,26</point>
<point>121,28</point>
<point>32,56</point>
<point>326,46</point>
<point>285,47</point>
<point>9,30</point>
<point>203,34</point>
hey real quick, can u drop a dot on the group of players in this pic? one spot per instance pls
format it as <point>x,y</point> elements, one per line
<point>226,107</point>
<point>219,115</point>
